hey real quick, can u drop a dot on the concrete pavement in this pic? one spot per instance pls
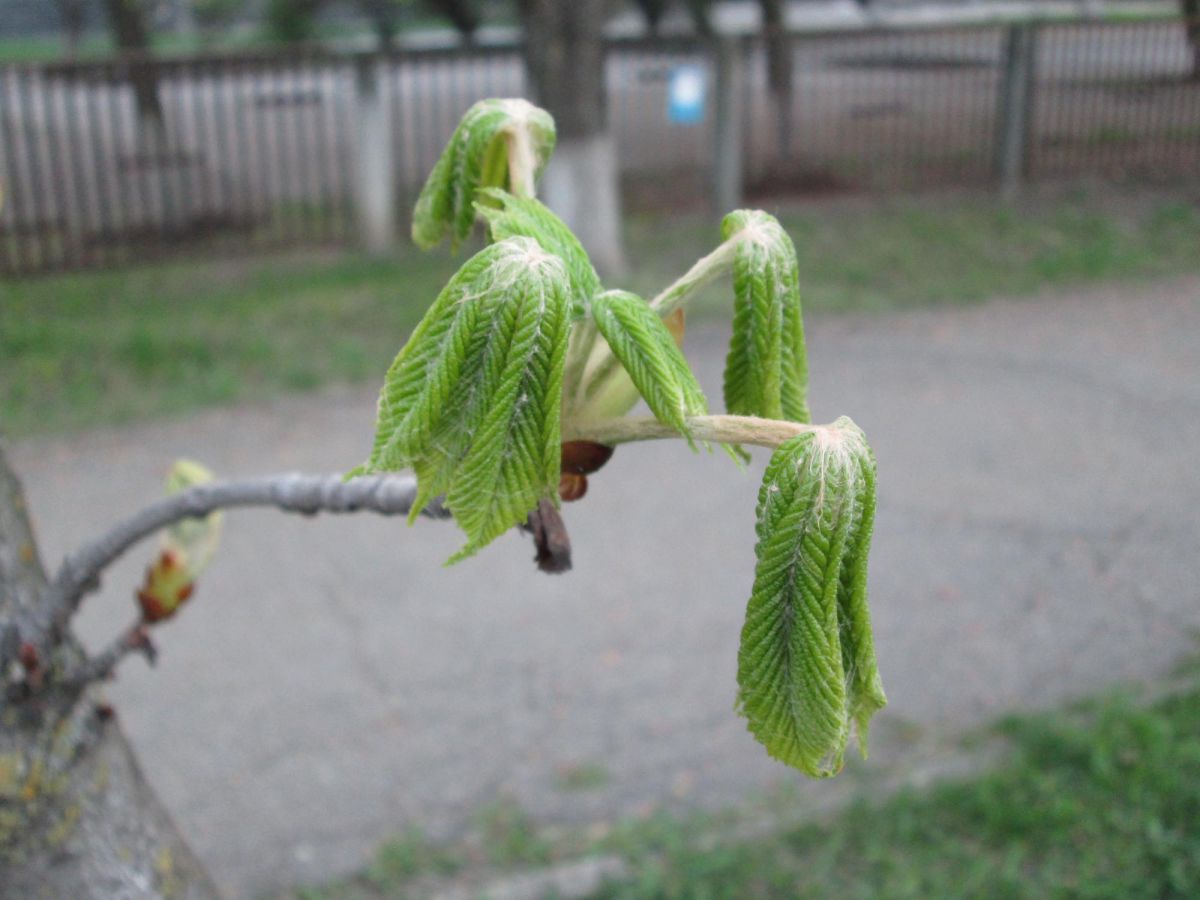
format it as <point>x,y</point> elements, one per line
<point>331,683</point>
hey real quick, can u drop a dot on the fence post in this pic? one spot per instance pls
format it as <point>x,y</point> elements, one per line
<point>1015,109</point>
<point>727,125</point>
<point>374,186</point>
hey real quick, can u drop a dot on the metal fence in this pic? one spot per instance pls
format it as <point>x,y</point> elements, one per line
<point>260,151</point>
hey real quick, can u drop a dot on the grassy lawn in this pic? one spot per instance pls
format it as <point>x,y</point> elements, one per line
<point>113,347</point>
<point>1100,801</point>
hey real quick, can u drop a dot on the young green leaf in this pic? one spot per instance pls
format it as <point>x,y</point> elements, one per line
<point>478,156</point>
<point>766,372</point>
<point>511,216</point>
<point>193,540</point>
<point>640,340</point>
<point>806,665</point>
<point>473,401</point>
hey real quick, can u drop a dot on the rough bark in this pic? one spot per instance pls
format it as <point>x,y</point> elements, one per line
<point>77,818</point>
<point>564,57</point>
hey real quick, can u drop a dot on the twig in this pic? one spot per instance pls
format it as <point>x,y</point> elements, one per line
<point>79,573</point>
<point>134,639</point>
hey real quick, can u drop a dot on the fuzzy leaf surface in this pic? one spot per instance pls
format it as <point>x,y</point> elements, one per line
<point>511,216</point>
<point>476,157</point>
<point>766,370</point>
<point>638,338</point>
<point>806,664</point>
<point>472,402</point>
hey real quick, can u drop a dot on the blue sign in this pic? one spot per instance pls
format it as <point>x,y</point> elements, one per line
<point>685,95</point>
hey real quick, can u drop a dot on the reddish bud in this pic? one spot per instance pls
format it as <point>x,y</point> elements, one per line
<point>168,585</point>
<point>28,656</point>
<point>571,486</point>
<point>584,457</point>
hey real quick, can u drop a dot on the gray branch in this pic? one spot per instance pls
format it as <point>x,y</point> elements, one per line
<point>133,639</point>
<point>387,495</point>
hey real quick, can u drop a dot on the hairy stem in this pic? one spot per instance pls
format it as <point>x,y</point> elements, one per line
<point>674,296</point>
<point>705,270</point>
<point>522,162</point>
<point>579,351</point>
<point>720,429</point>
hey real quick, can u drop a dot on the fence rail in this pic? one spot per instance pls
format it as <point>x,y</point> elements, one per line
<point>261,150</point>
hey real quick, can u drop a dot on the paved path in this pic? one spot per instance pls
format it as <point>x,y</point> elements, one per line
<point>332,683</point>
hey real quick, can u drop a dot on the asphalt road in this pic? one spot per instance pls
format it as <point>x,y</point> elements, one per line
<point>331,683</point>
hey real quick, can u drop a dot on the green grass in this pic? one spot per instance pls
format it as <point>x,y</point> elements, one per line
<point>115,347</point>
<point>588,776</point>
<point>1102,803</point>
<point>1099,801</point>
<point>121,346</point>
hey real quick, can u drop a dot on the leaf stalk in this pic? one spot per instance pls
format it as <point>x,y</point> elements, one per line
<point>720,429</point>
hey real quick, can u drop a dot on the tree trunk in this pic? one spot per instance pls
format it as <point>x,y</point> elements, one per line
<point>564,57</point>
<point>462,16</point>
<point>127,19</point>
<point>77,818</point>
<point>779,71</point>
<point>1191,12</point>
<point>382,15</point>
<point>72,13</point>
<point>652,12</point>
<point>701,21</point>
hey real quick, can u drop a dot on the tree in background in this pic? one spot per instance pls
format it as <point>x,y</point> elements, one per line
<point>130,26</point>
<point>214,16</point>
<point>780,68</point>
<point>292,21</point>
<point>654,10</point>
<point>1191,10</point>
<point>462,14</point>
<point>73,15</point>
<point>385,16</point>
<point>564,59</point>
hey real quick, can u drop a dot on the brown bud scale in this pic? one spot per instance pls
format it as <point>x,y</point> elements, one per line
<point>584,457</point>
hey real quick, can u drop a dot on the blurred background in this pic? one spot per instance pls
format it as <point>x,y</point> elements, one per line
<point>996,207</point>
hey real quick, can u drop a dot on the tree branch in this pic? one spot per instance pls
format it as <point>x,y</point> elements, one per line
<point>387,495</point>
<point>133,639</point>
<point>722,429</point>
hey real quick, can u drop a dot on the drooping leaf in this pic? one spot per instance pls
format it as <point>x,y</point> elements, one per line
<point>477,157</point>
<point>473,401</point>
<point>766,371</point>
<point>638,338</point>
<point>806,665</point>
<point>511,216</point>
